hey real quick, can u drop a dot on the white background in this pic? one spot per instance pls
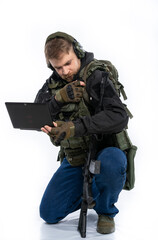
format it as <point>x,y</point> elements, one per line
<point>122,31</point>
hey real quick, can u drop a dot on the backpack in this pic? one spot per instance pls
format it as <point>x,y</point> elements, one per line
<point>123,141</point>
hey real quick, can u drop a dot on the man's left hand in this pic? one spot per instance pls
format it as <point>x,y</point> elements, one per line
<point>61,131</point>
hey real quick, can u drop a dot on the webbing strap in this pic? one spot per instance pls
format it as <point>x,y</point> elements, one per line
<point>85,70</point>
<point>122,91</point>
<point>128,112</point>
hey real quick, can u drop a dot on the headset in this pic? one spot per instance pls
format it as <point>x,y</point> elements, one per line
<point>79,51</point>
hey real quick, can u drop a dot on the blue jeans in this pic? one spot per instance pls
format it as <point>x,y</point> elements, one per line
<point>64,191</point>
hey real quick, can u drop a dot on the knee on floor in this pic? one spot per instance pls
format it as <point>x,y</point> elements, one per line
<point>47,215</point>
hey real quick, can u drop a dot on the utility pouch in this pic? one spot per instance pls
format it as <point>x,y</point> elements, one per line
<point>123,140</point>
<point>76,157</point>
<point>125,144</point>
<point>130,173</point>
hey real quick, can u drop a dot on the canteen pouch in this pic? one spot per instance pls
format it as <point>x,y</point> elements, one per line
<point>124,143</point>
<point>130,173</point>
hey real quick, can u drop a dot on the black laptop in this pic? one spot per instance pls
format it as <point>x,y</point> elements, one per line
<point>29,116</point>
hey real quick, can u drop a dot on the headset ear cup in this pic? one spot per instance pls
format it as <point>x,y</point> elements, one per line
<point>50,66</point>
<point>78,49</point>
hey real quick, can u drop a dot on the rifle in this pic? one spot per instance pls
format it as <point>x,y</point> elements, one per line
<point>90,168</point>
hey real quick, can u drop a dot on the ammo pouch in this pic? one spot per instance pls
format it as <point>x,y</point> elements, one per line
<point>75,150</point>
<point>124,143</point>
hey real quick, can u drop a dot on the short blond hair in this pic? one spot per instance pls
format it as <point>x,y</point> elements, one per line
<point>55,47</point>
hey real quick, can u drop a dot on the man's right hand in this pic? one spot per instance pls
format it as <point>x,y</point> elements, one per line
<point>71,92</point>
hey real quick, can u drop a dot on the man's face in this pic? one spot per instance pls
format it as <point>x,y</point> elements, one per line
<point>67,65</point>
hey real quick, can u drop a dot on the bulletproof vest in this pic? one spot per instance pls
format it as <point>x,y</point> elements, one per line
<point>75,148</point>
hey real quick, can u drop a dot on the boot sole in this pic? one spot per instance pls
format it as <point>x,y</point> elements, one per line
<point>105,230</point>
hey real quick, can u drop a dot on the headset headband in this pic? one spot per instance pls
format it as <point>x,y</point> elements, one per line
<point>62,35</point>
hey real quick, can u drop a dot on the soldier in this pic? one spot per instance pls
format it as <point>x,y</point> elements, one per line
<point>81,106</point>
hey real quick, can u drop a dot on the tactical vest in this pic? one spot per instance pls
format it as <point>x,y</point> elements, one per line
<point>75,148</point>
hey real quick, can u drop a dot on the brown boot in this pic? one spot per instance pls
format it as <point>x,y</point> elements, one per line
<point>105,224</point>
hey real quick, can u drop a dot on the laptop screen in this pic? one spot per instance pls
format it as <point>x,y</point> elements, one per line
<point>29,116</point>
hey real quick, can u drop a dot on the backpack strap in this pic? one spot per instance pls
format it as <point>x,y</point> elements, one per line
<point>128,111</point>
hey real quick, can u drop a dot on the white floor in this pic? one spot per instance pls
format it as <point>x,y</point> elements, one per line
<point>129,225</point>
